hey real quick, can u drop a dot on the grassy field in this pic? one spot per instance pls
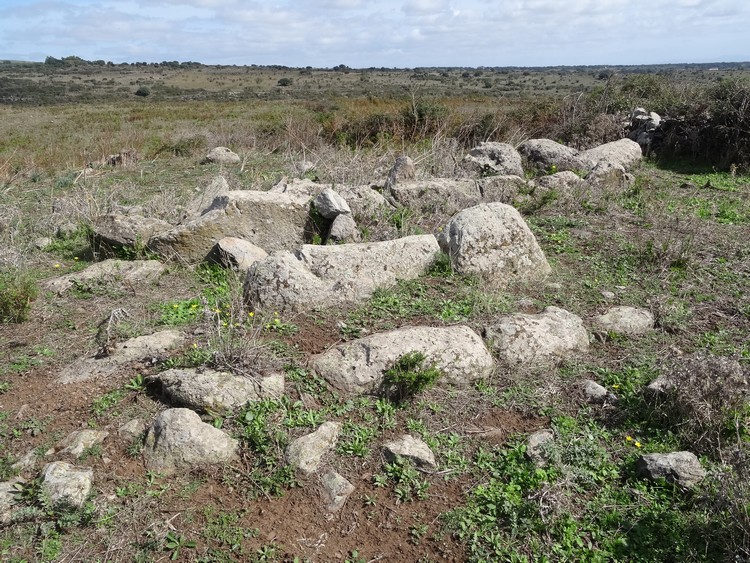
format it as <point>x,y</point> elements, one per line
<point>675,242</point>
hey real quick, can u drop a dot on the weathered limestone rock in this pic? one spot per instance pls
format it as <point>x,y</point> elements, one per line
<point>238,253</point>
<point>624,152</point>
<point>596,393</point>
<point>544,154</point>
<point>336,489</point>
<point>357,367</point>
<point>115,231</point>
<point>682,468</point>
<point>412,449</point>
<point>403,170</point>
<point>609,177</point>
<point>344,230</point>
<point>500,189</point>
<point>493,240</point>
<point>306,452</point>
<point>437,195</point>
<point>494,158</point>
<point>142,347</point>
<point>271,221</point>
<point>215,391</point>
<point>537,447</point>
<point>179,440</point>
<point>111,271</point>
<point>324,276</point>
<point>330,204</point>
<point>625,320</point>
<point>221,155</point>
<point>541,339</point>
<point>362,200</point>
<point>65,483</point>
<point>78,442</point>
<point>132,429</point>
<point>203,201</point>
<point>8,498</point>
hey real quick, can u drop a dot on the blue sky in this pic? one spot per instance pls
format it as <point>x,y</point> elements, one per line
<point>389,33</point>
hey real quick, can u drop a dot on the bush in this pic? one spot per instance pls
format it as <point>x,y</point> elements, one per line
<point>409,376</point>
<point>143,91</point>
<point>17,291</point>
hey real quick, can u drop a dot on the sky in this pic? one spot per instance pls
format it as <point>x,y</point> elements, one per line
<point>379,33</point>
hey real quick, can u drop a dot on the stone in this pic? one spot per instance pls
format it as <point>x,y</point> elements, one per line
<point>116,231</point>
<point>67,484</point>
<point>205,199</point>
<point>142,347</point>
<point>76,443</point>
<point>546,155</point>
<point>596,393</point>
<point>238,253</point>
<point>437,195</point>
<point>330,204</point>
<point>364,201</point>
<point>502,189</point>
<point>403,170</point>
<point>179,440</point>
<point>538,445</point>
<point>357,367</point>
<point>271,221</point>
<point>494,158</point>
<point>112,271</point>
<point>492,240</point>
<point>42,243</point>
<point>344,230</point>
<point>221,155</point>
<point>26,462</point>
<point>624,152</point>
<point>606,176</point>
<point>306,452</point>
<point>336,489</point>
<point>541,339</point>
<point>608,295</point>
<point>682,468</point>
<point>626,320</point>
<point>132,429</point>
<point>8,498</point>
<point>412,449</point>
<point>213,391</point>
<point>328,276</point>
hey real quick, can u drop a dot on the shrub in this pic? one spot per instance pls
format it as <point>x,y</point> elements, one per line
<point>143,91</point>
<point>409,376</point>
<point>17,290</point>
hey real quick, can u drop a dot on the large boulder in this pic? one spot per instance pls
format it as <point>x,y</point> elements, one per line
<point>494,158</point>
<point>492,239</point>
<point>541,339</point>
<point>111,272</point>
<point>682,468</point>
<point>362,200</point>
<point>546,155</point>
<point>324,276</point>
<point>215,391</point>
<point>624,152</point>
<point>179,440</point>
<point>437,195</point>
<point>271,221</point>
<point>357,367</point>
<point>113,232</point>
<point>502,189</point>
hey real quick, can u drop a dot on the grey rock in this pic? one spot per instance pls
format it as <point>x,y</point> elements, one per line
<point>538,445</point>
<point>544,154</point>
<point>344,230</point>
<point>608,177</point>
<point>596,393</point>
<point>26,462</point>
<point>76,443</point>
<point>132,429</point>
<point>412,449</point>
<point>357,367</point>
<point>114,272</point>
<point>492,240</point>
<point>179,440</point>
<point>8,498</point>
<point>437,195</point>
<point>306,452</point>
<point>64,483</point>
<point>238,253</point>
<point>203,201</point>
<point>336,489</point>
<point>403,170</point>
<point>541,339</point>
<point>215,391</point>
<point>271,221</point>
<point>330,204</point>
<point>221,155</point>
<point>608,295</point>
<point>624,152</point>
<point>364,201</point>
<point>494,158</point>
<point>625,320</point>
<point>682,468</point>
<point>326,276</point>
<point>115,231</point>
<point>140,348</point>
<point>502,189</point>
<point>42,243</point>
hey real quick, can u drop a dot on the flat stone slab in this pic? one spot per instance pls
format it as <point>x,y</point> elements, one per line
<point>625,320</point>
<point>682,468</point>
<point>111,271</point>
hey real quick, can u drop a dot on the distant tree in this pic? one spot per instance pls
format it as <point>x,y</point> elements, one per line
<point>52,61</point>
